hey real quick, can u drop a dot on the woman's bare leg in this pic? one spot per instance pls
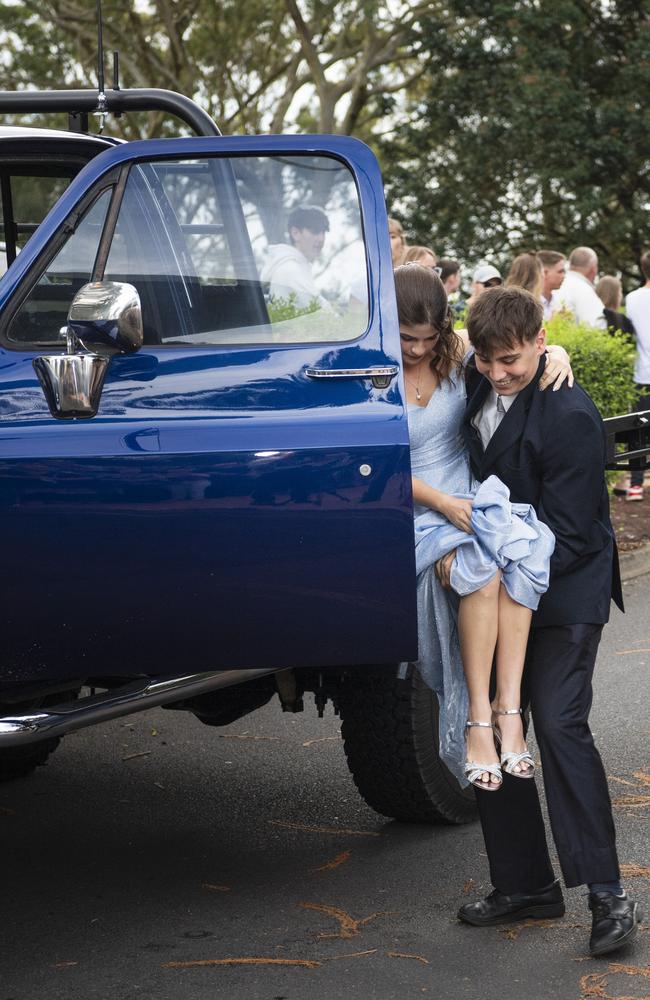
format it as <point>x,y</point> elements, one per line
<point>513,629</point>
<point>478,623</point>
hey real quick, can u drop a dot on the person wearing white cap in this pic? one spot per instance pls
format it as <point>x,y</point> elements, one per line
<point>485,276</point>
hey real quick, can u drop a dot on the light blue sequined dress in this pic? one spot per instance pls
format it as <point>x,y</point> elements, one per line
<point>506,536</point>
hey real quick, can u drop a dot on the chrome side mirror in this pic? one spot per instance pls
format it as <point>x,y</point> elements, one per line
<point>105,318</point>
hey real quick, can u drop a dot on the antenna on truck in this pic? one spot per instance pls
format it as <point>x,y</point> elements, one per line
<point>102,106</point>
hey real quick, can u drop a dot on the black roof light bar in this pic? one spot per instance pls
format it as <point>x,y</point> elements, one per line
<point>79,102</point>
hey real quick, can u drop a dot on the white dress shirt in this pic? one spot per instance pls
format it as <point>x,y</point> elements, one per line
<point>487,419</point>
<point>578,295</point>
<point>550,305</point>
<point>637,307</point>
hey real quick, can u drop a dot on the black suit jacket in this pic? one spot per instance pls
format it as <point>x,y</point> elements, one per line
<point>549,449</point>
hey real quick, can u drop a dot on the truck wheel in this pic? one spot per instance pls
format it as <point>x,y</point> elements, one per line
<point>17,762</point>
<point>390,735</point>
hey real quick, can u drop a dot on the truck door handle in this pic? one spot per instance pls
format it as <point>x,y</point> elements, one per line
<point>380,375</point>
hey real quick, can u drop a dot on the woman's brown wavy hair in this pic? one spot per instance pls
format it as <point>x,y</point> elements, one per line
<point>421,299</point>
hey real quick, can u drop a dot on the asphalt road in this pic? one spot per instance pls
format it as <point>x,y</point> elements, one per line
<point>154,842</point>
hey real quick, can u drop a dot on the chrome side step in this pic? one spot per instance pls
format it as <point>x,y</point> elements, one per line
<point>134,697</point>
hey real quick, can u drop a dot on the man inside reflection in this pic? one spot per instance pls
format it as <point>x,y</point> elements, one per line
<point>288,266</point>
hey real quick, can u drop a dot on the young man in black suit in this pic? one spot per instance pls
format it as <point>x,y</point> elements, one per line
<point>549,449</point>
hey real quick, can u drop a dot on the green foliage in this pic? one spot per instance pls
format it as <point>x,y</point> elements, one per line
<point>281,309</point>
<point>603,363</point>
<point>533,132</point>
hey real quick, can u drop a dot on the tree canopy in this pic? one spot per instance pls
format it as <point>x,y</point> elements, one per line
<point>262,65</point>
<point>500,124</point>
<point>533,131</point>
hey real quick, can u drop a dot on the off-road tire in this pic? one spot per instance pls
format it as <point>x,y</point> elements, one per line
<point>18,762</point>
<point>390,735</point>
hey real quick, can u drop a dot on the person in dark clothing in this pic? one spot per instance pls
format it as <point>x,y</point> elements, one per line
<point>610,291</point>
<point>549,449</point>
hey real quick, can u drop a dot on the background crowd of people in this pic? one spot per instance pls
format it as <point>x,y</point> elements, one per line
<point>568,284</point>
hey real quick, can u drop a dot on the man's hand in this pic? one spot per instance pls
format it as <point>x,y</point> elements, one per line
<point>443,569</point>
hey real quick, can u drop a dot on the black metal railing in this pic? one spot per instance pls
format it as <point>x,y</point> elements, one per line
<point>628,437</point>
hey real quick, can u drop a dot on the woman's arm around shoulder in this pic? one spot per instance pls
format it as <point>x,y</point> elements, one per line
<point>558,368</point>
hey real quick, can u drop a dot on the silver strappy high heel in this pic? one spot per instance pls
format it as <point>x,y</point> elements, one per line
<point>510,759</point>
<point>473,771</point>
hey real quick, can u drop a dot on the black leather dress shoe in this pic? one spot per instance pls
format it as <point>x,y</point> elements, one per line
<point>615,920</point>
<point>501,908</point>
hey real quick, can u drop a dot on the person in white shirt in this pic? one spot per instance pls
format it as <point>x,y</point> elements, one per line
<point>288,266</point>
<point>637,305</point>
<point>577,293</point>
<point>553,271</point>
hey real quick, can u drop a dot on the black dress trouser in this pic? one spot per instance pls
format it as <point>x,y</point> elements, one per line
<point>557,685</point>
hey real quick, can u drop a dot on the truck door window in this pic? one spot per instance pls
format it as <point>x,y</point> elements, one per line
<point>236,251</point>
<point>223,250</point>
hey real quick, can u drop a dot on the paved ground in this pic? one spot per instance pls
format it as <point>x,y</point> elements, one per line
<point>152,843</point>
<point>631,521</point>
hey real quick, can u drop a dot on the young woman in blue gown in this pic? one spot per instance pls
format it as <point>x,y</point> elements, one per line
<point>502,551</point>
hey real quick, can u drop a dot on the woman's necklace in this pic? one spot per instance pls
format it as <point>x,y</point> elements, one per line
<point>416,385</point>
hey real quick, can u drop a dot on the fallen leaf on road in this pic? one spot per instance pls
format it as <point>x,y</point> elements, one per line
<point>512,933</point>
<point>404,954</point>
<point>321,739</point>
<point>64,965</point>
<point>213,887</point>
<point>336,862</point>
<point>354,954</point>
<point>323,829</point>
<point>244,736</point>
<point>635,871</point>
<point>348,926</point>
<point>632,801</point>
<point>642,780</point>
<point>469,885</point>
<point>308,963</point>
<point>630,970</point>
<point>132,756</point>
<point>595,984</point>
<point>5,811</point>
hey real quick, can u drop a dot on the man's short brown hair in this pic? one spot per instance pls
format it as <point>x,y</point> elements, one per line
<point>502,318</point>
<point>550,257</point>
<point>645,265</point>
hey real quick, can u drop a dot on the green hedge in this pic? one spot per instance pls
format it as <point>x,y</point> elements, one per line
<point>603,363</point>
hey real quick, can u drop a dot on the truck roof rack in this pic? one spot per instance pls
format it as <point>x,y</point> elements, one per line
<point>82,102</point>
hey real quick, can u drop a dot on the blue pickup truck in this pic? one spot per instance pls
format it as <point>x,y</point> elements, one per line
<point>204,475</point>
